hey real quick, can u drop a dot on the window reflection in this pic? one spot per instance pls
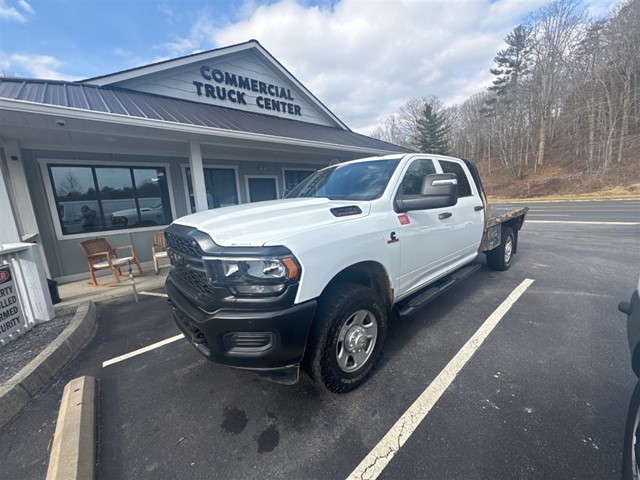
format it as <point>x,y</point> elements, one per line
<point>412,181</point>
<point>464,188</point>
<point>74,189</point>
<point>293,177</point>
<point>107,198</point>
<point>220,184</point>
<point>154,205</point>
<point>116,193</point>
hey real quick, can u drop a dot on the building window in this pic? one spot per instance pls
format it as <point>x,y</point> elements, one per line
<point>293,177</point>
<point>103,198</point>
<point>220,184</point>
<point>262,188</point>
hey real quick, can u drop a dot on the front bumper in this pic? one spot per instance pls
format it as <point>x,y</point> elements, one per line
<point>268,342</point>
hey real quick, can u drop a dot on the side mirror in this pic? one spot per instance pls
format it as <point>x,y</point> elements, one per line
<point>438,191</point>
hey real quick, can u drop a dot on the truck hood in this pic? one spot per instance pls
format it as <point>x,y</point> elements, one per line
<point>261,223</point>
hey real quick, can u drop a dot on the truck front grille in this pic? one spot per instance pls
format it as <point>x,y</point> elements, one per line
<point>195,281</point>
<point>188,267</point>
<point>185,245</point>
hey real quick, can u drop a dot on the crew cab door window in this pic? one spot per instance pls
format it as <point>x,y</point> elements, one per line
<point>464,187</point>
<point>412,180</point>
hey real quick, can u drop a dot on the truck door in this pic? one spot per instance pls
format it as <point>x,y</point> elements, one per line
<point>426,236</point>
<point>468,218</point>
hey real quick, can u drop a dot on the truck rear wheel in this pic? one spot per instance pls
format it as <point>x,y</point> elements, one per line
<point>346,338</point>
<point>500,257</point>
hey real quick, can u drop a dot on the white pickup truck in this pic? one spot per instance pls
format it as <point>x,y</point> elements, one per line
<point>311,280</point>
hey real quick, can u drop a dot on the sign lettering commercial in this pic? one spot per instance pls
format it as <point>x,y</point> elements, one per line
<point>232,88</point>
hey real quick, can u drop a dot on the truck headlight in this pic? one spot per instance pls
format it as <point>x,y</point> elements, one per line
<point>119,221</point>
<point>253,275</point>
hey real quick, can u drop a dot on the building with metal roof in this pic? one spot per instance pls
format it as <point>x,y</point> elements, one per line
<point>141,147</point>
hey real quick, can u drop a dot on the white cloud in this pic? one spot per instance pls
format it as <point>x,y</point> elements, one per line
<point>26,7</point>
<point>200,33</point>
<point>363,60</point>
<point>37,66</point>
<point>11,13</point>
<point>165,9</point>
<point>121,52</point>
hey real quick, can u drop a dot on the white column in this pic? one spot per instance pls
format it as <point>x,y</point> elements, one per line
<point>197,176</point>
<point>18,179</point>
<point>26,217</point>
<point>9,229</point>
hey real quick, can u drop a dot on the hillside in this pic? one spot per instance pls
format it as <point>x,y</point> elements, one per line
<point>565,175</point>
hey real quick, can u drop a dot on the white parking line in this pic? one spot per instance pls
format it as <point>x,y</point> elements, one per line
<point>141,350</point>
<point>154,294</point>
<point>576,222</point>
<point>376,461</point>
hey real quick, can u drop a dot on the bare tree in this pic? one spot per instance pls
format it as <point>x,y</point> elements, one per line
<point>555,30</point>
<point>390,132</point>
<point>566,87</point>
<point>69,185</point>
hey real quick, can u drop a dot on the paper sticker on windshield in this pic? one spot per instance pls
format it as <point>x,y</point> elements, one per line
<point>404,219</point>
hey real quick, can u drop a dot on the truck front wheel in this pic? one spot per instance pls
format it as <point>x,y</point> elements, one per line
<point>346,338</point>
<point>500,257</point>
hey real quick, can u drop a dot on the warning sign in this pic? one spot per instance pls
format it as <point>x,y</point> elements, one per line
<point>11,318</point>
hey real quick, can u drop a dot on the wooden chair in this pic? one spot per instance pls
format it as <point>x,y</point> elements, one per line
<point>100,255</point>
<point>159,250</point>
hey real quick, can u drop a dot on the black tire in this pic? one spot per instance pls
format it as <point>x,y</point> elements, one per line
<point>631,448</point>
<point>346,338</point>
<point>500,258</point>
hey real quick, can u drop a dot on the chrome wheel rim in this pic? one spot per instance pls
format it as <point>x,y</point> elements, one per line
<point>356,340</point>
<point>508,250</point>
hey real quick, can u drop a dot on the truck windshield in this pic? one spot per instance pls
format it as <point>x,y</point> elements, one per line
<point>353,181</point>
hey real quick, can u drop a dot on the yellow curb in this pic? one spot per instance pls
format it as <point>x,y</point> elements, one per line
<point>73,451</point>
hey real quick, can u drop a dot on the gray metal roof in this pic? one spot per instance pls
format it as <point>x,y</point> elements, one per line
<point>144,105</point>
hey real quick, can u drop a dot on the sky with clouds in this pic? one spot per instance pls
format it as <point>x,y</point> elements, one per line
<point>362,58</point>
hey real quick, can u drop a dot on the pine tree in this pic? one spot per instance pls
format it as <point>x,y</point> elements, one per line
<point>514,62</point>
<point>433,131</point>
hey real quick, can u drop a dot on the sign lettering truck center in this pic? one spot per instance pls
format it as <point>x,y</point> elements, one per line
<point>274,101</point>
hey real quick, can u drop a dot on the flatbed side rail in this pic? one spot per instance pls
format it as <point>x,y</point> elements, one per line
<point>519,213</point>
<point>493,227</point>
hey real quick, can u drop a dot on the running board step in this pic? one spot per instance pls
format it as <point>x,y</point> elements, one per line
<point>411,304</point>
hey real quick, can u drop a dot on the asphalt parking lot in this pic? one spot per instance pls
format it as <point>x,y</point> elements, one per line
<point>544,396</point>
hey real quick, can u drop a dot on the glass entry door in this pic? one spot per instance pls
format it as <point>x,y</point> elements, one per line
<point>262,188</point>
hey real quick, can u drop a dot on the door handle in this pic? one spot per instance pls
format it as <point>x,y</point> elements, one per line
<point>477,208</point>
<point>442,216</point>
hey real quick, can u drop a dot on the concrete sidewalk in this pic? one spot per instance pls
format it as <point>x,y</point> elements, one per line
<point>82,291</point>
